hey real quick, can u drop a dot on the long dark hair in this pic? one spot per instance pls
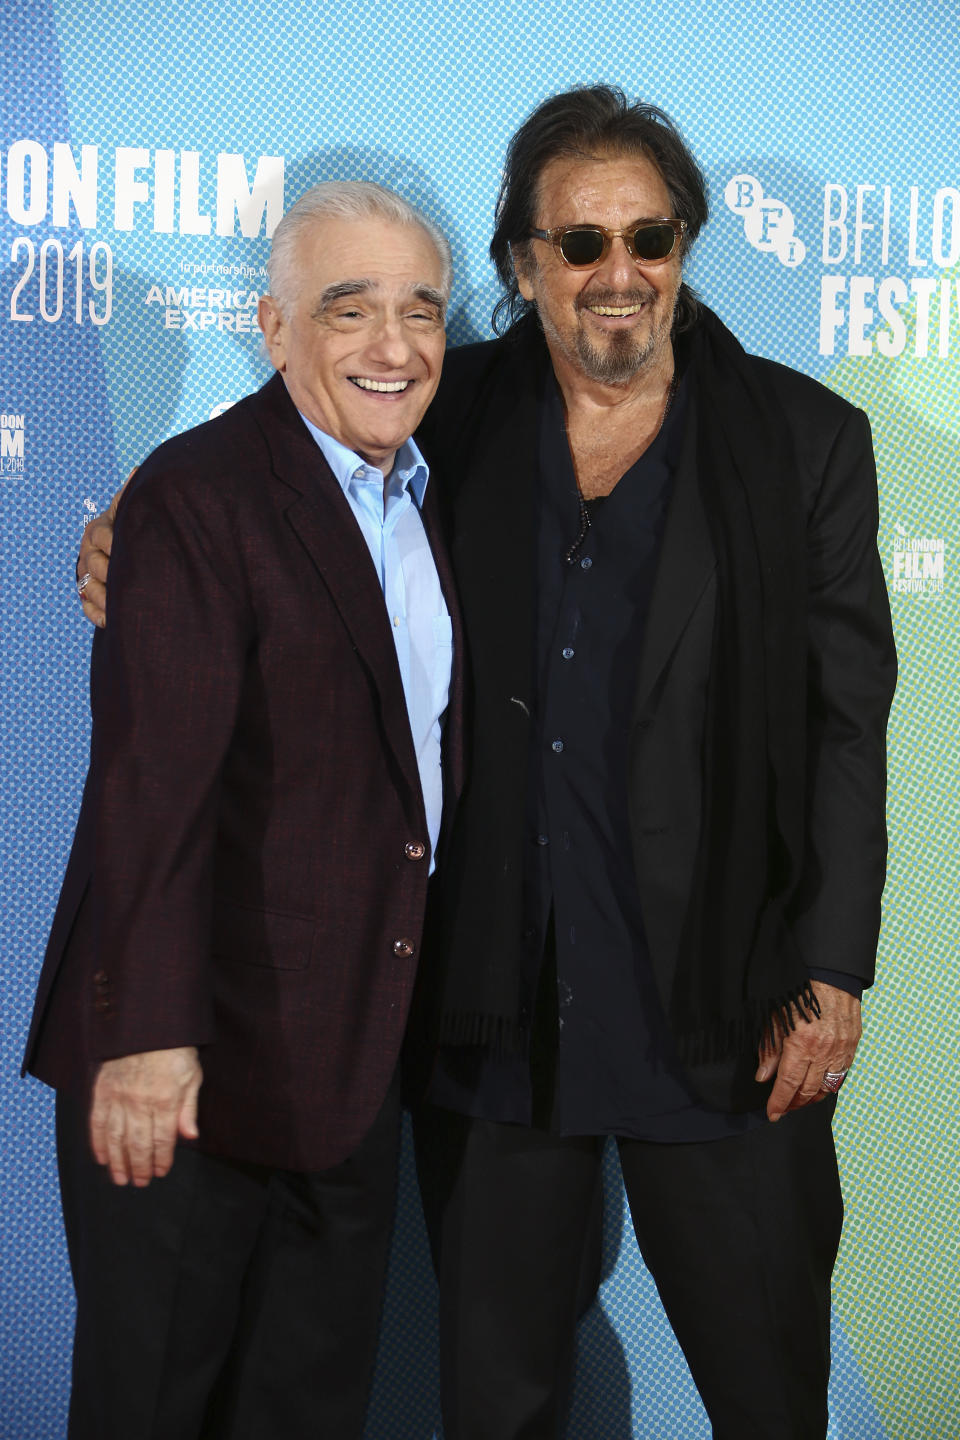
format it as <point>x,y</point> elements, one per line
<point>592,122</point>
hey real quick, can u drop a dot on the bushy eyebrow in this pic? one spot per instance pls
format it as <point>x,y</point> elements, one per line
<point>343,289</point>
<point>431,296</point>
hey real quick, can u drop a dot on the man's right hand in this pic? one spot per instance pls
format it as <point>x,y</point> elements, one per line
<point>94,559</point>
<point>141,1103</point>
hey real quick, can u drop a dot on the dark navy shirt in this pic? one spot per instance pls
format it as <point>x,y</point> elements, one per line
<point>614,1070</point>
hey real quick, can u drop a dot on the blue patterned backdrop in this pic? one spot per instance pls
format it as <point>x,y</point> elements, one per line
<point>145,154</point>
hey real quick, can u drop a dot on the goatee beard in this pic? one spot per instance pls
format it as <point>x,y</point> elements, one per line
<point>624,353</point>
<point>620,359</point>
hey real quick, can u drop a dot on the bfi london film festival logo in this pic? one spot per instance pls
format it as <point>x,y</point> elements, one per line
<point>918,563</point>
<point>12,431</point>
<point>890,254</point>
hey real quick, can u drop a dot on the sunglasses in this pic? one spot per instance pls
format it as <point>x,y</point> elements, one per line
<point>650,242</point>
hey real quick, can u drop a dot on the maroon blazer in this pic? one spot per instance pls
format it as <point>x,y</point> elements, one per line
<point>249,871</point>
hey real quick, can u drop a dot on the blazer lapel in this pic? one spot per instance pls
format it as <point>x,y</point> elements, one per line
<point>319,514</point>
<point>687,561</point>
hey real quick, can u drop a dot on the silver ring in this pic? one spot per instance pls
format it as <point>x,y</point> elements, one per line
<point>83,582</point>
<point>832,1080</point>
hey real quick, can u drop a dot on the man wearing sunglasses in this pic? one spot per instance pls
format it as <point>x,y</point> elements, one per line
<point>661,894</point>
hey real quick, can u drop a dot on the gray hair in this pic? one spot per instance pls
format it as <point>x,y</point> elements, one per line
<point>344,200</point>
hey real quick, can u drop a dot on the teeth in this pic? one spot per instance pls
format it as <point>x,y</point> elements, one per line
<point>616,309</point>
<point>385,387</point>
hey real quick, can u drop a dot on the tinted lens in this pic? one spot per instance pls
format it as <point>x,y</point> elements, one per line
<point>582,247</point>
<point>653,242</point>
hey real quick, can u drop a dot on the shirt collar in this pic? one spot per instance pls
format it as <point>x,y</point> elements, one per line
<point>410,470</point>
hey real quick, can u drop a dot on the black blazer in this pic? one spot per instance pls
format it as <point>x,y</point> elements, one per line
<point>483,430</point>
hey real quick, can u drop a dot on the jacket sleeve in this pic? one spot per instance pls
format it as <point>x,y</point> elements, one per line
<point>167,677</point>
<point>851,680</point>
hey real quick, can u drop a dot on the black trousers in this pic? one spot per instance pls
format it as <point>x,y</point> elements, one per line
<point>739,1234</point>
<point>226,1301</point>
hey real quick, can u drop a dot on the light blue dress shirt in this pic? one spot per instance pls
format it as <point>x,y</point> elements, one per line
<point>388,514</point>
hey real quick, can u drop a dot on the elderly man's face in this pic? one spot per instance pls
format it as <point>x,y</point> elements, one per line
<point>362,344</point>
<point>575,306</point>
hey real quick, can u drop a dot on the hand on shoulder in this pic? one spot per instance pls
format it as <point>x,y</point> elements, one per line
<point>94,559</point>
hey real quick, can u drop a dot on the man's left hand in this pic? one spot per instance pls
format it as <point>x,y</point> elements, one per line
<point>801,1057</point>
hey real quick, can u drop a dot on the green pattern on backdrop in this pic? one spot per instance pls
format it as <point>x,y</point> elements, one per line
<point>897,1282</point>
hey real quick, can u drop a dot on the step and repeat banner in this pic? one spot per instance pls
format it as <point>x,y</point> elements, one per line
<point>146,155</point>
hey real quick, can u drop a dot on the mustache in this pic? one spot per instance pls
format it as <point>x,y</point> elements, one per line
<point>616,299</point>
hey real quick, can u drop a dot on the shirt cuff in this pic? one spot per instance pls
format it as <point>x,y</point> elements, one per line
<point>840,981</point>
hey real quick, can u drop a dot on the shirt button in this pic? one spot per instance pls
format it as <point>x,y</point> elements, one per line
<point>358,474</point>
<point>585,563</point>
<point>403,948</point>
<point>567,653</point>
<point>557,746</point>
<point>543,839</point>
<point>414,850</point>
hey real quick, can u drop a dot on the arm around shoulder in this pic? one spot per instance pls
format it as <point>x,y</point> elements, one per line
<point>94,559</point>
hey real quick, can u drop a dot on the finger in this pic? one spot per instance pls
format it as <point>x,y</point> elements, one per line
<point>790,1077</point>
<point>140,1124</point>
<point>768,1059</point>
<point>769,1052</point>
<point>187,1123</point>
<point>164,1143</point>
<point>94,602</point>
<point>98,1129</point>
<point>96,617</point>
<point>809,1087</point>
<point>97,541</point>
<point>117,1161</point>
<point>99,564</point>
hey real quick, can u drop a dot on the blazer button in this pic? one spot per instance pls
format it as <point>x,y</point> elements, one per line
<point>403,948</point>
<point>103,1005</point>
<point>101,979</point>
<point>414,850</point>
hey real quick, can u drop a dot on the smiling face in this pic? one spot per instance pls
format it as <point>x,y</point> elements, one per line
<point>611,322</point>
<point>361,343</point>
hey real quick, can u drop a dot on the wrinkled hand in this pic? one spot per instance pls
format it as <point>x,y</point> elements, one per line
<point>801,1057</point>
<point>141,1103</point>
<point>94,558</point>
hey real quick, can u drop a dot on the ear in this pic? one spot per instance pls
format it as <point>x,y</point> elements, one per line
<point>523,267</point>
<point>274,327</point>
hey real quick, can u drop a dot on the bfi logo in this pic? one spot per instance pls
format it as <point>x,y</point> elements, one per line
<point>768,224</point>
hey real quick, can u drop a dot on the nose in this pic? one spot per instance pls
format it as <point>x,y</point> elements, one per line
<point>389,345</point>
<point>618,270</point>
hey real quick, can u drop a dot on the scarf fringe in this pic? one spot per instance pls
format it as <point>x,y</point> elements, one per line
<point>762,1021</point>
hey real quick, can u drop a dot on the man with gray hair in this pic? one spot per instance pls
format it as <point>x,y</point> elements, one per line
<point>276,717</point>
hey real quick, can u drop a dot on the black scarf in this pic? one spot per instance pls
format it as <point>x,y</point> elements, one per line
<point>737,965</point>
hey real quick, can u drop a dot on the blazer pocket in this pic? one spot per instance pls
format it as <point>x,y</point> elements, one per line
<point>272,939</point>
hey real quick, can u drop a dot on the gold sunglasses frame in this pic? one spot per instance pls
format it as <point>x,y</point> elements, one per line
<point>555,237</point>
